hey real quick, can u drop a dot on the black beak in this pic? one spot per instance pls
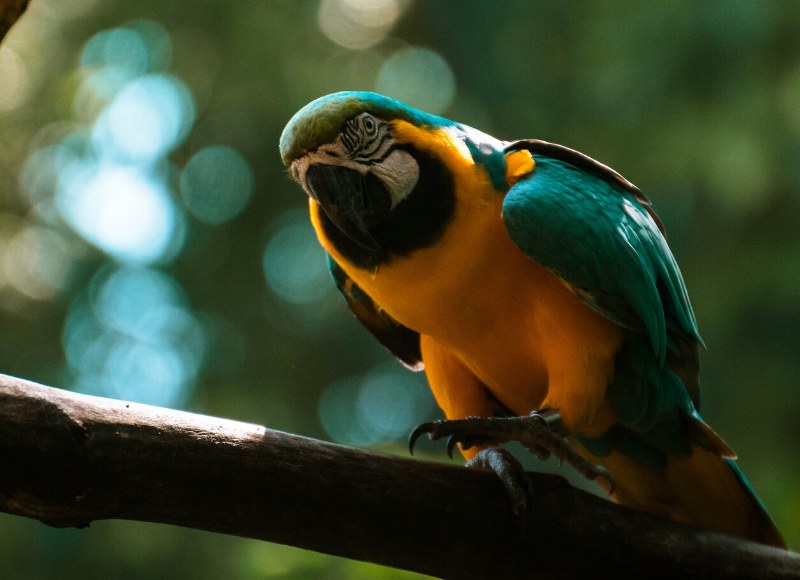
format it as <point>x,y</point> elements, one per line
<point>355,203</point>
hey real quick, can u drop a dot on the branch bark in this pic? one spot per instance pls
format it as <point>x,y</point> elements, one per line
<point>68,459</point>
<point>10,11</point>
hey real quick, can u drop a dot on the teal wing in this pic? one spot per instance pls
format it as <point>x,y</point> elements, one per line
<point>400,340</point>
<point>596,231</point>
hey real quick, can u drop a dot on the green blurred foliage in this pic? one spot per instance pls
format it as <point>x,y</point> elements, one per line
<point>697,103</point>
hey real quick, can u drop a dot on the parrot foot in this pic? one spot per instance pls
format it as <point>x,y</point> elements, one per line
<point>510,472</point>
<point>541,432</point>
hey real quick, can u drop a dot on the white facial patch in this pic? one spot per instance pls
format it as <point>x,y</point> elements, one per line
<point>399,172</point>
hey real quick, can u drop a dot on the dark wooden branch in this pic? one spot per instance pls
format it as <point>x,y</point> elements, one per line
<point>69,459</point>
<point>10,11</point>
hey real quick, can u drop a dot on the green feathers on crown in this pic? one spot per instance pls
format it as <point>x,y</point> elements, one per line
<point>321,120</point>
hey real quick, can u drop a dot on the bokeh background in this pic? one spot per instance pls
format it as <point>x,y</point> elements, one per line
<point>152,247</point>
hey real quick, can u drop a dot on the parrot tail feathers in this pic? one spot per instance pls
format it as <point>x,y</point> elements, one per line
<point>701,489</point>
<point>769,531</point>
<point>712,492</point>
<point>701,433</point>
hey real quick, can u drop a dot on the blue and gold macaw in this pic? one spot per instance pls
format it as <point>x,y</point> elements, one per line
<point>536,288</point>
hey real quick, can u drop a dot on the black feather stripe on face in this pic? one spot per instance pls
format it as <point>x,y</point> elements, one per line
<point>417,222</point>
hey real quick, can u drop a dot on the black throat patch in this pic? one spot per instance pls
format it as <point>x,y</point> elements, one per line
<point>417,222</point>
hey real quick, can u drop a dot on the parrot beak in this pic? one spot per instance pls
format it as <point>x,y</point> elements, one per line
<point>355,203</point>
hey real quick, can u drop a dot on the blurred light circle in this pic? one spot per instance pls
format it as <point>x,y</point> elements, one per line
<point>112,58</point>
<point>15,87</point>
<point>125,298</point>
<point>145,373</point>
<point>36,262</point>
<point>125,213</point>
<point>120,48</point>
<point>381,406</point>
<point>216,184</point>
<point>85,341</point>
<point>357,23</point>
<point>739,173</point>
<point>158,41</point>
<point>294,264</point>
<point>391,402</point>
<point>147,119</point>
<point>39,175</point>
<point>419,77</point>
<point>336,414</point>
<point>131,337</point>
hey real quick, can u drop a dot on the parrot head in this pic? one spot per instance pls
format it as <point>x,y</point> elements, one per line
<point>382,172</point>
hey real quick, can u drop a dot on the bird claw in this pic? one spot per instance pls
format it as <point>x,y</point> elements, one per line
<point>510,472</point>
<point>541,432</point>
<point>451,443</point>
<point>419,431</point>
<point>438,429</point>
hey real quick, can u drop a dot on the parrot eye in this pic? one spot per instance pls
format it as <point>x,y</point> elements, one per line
<point>369,124</point>
<point>364,135</point>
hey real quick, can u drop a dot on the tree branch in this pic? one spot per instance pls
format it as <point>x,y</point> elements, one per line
<point>10,11</point>
<point>68,459</point>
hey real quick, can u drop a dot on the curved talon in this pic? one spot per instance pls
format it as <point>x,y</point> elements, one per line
<point>608,476</point>
<point>451,444</point>
<point>416,433</point>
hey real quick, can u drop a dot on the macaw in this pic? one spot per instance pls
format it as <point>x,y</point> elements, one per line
<point>535,287</point>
